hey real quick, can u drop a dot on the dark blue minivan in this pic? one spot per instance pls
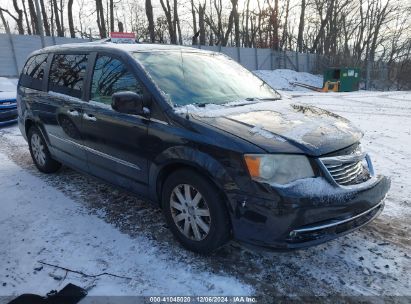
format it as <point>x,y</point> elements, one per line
<point>218,149</point>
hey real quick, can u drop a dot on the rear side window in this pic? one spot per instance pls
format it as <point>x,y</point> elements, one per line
<point>33,72</point>
<point>67,74</point>
<point>110,75</point>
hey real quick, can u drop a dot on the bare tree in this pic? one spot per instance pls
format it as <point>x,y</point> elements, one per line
<point>300,41</point>
<point>195,32</point>
<point>18,19</point>
<point>45,18</point>
<point>26,18</point>
<point>170,18</point>
<point>59,28</point>
<point>150,18</point>
<point>101,24</point>
<point>112,16</point>
<point>70,18</point>
<point>201,22</point>
<point>33,17</point>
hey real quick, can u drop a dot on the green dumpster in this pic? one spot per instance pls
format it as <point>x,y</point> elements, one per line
<point>348,77</point>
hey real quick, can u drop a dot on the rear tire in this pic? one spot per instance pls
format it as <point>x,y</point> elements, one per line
<point>195,211</point>
<point>40,153</point>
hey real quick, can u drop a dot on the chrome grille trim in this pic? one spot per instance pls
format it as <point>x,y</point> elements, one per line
<point>339,222</point>
<point>348,170</point>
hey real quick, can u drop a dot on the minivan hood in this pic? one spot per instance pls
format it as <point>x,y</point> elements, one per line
<point>280,126</point>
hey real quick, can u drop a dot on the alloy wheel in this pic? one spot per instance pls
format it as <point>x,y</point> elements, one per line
<point>190,212</point>
<point>38,149</point>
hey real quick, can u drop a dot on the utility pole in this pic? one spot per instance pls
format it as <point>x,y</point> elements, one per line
<point>40,24</point>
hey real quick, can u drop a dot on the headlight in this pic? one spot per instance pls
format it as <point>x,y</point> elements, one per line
<point>278,168</point>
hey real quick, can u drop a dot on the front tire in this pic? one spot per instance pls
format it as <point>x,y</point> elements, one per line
<point>40,153</point>
<point>195,211</point>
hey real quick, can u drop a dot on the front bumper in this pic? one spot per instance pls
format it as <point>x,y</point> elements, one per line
<point>306,213</point>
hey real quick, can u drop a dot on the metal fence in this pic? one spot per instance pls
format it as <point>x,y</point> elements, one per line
<point>268,59</point>
<point>14,50</point>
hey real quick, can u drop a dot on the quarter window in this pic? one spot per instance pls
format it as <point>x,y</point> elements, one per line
<point>35,66</point>
<point>110,76</point>
<point>67,74</point>
<point>33,72</point>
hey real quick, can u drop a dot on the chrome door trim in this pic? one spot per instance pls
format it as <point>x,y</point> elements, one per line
<point>99,153</point>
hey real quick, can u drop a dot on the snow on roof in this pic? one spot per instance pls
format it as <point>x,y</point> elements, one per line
<point>127,47</point>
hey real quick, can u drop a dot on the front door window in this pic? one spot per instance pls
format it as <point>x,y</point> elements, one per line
<point>110,76</point>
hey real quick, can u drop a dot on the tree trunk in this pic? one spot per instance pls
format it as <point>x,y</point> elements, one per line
<point>26,17</point>
<point>45,18</point>
<point>195,33</point>
<point>70,18</point>
<point>300,38</point>
<point>57,19</point>
<point>177,21</point>
<point>33,18</point>
<point>276,26</point>
<point>120,27</point>
<point>201,23</point>
<point>112,16</point>
<point>100,19</point>
<point>61,17</point>
<point>247,18</point>
<point>5,24</point>
<point>322,27</point>
<point>170,22</point>
<point>285,27</point>
<point>236,23</point>
<point>150,18</point>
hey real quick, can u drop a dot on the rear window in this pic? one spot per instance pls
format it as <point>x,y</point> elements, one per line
<point>67,74</point>
<point>33,72</point>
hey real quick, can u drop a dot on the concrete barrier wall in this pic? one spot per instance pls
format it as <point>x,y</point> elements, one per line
<point>14,50</point>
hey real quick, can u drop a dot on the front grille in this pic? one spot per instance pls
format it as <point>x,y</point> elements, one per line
<point>347,170</point>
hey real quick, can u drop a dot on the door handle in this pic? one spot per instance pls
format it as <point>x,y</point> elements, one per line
<point>89,117</point>
<point>73,112</point>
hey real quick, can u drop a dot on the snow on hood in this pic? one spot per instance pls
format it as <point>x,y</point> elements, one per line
<point>280,120</point>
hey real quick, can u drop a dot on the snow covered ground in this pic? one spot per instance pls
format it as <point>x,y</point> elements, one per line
<point>74,221</point>
<point>283,79</point>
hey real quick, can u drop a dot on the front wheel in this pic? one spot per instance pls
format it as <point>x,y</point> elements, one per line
<point>195,212</point>
<point>40,153</point>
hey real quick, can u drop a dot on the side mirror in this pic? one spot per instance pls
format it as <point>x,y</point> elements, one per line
<point>129,103</point>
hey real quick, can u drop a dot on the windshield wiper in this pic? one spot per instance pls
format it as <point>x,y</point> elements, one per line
<point>270,98</point>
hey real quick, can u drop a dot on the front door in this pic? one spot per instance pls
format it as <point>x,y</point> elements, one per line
<point>115,141</point>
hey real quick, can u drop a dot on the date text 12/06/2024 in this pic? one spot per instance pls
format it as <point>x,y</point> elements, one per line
<point>203,299</point>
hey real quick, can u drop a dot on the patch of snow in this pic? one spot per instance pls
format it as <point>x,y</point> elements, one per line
<point>260,130</point>
<point>39,223</point>
<point>283,79</point>
<point>293,121</point>
<point>316,187</point>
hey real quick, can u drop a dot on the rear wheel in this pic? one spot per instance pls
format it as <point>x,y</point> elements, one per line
<point>40,153</point>
<point>195,212</point>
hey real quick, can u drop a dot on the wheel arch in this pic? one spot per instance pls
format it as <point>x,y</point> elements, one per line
<point>29,123</point>
<point>178,158</point>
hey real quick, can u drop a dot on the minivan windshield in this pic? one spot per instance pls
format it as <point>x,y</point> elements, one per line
<point>202,78</point>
